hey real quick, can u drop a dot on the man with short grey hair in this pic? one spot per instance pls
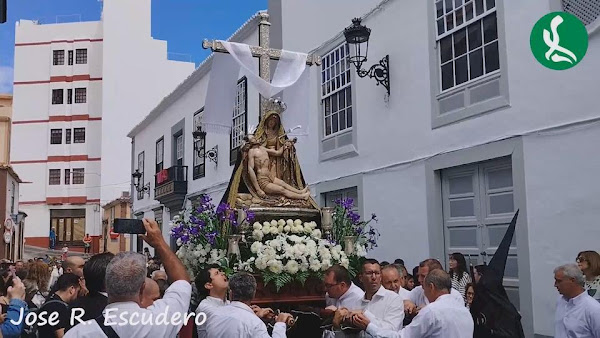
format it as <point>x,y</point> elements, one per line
<point>442,318</point>
<point>393,278</point>
<point>238,319</point>
<point>577,314</point>
<point>125,284</point>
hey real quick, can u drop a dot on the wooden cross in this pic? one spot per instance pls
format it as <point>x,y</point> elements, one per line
<point>263,52</point>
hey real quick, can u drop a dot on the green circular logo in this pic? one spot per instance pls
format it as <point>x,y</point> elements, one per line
<point>559,40</point>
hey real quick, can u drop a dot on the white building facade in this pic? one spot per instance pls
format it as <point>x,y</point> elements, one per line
<point>474,129</point>
<point>60,123</point>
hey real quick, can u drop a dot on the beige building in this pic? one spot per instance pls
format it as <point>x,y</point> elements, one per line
<point>11,238</point>
<point>119,208</point>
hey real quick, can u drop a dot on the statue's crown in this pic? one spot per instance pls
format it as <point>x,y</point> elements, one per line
<point>275,105</point>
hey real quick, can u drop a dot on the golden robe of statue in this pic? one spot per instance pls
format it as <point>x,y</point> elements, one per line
<point>268,146</point>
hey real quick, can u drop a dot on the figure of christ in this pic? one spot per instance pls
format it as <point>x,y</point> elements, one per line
<point>263,179</point>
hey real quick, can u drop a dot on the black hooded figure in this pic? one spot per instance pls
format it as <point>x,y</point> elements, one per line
<point>493,313</point>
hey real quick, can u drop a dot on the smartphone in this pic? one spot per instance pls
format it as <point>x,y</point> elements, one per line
<point>128,226</point>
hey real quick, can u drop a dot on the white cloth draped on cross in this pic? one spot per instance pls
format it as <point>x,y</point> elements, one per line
<point>291,74</point>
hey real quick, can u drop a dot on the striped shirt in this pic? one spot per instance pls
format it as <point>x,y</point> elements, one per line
<point>461,284</point>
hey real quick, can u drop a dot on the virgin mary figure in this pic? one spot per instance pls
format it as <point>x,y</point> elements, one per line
<point>282,164</point>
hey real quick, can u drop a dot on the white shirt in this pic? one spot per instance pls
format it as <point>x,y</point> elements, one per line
<point>385,309</point>
<point>444,318</point>
<point>417,296</point>
<point>238,320</point>
<point>176,300</point>
<point>208,306</point>
<point>351,299</point>
<point>578,317</point>
<point>404,294</point>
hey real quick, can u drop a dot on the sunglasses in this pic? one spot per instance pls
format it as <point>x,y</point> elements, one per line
<point>580,259</point>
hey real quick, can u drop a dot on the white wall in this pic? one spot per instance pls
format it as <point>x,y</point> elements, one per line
<point>562,209</point>
<point>136,76</point>
<point>217,177</point>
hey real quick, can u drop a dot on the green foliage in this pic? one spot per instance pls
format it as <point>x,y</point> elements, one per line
<point>302,276</point>
<point>355,265</point>
<point>280,279</point>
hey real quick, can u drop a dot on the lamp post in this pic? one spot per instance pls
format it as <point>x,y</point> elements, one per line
<point>357,36</point>
<point>200,146</point>
<point>137,175</point>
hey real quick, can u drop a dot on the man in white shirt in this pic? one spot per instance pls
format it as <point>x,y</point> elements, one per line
<point>212,285</point>
<point>417,295</point>
<point>380,306</point>
<point>125,282</point>
<point>577,314</point>
<point>442,318</point>
<point>341,292</point>
<point>393,278</point>
<point>237,319</point>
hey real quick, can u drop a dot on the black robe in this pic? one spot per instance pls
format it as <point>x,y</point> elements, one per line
<point>494,315</point>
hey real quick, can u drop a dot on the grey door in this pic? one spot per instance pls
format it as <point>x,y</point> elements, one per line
<point>478,205</point>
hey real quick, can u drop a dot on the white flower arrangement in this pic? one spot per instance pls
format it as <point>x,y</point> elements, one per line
<point>286,250</point>
<point>191,255</point>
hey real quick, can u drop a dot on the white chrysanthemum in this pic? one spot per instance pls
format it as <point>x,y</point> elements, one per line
<point>256,247</point>
<point>298,222</point>
<point>316,234</point>
<point>280,229</point>
<point>275,266</point>
<point>326,264</point>
<point>360,250</point>
<point>266,229</point>
<point>257,226</point>
<point>287,228</point>
<point>260,264</point>
<point>274,230</point>
<point>313,224</point>
<point>289,222</point>
<point>273,223</point>
<point>295,239</point>
<point>292,267</point>
<point>179,241</point>
<point>315,265</point>
<point>257,235</point>
<point>266,224</point>
<point>281,223</point>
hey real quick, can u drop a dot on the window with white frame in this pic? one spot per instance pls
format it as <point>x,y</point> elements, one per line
<point>467,40</point>
<point>336,93</point>
<point>80,95</point>
<point>160,150</point>
<point>58,57</point>
<point>199,157</point>
<point>179,149</point>
<point>240,120</point>
<point>330,197</point>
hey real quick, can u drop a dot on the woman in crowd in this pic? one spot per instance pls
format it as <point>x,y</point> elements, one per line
<point>470,293</point>
<point>459,273</point>
<point>410,282</point>
<point>589,264</point>
<point>36,284</point>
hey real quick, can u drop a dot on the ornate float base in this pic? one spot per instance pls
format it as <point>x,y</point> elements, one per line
<point>267,214</point>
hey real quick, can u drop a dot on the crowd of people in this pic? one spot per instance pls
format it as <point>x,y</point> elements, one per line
<point>137,295</point>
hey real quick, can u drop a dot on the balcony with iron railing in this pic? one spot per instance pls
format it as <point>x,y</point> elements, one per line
<point>171,187</point>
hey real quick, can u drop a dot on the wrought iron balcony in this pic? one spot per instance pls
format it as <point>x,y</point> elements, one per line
<point>171,186</point>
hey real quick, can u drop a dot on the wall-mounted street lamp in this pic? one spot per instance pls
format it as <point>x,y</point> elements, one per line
<point>137,175</point>
<point>200,146</point>
<point>357,36</point>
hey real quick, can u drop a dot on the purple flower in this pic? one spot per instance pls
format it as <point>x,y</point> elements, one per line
<point>211,238</point>
<point>221,209</point>
<point>373,216</point>
<point>205,199</point>
<point>354,217</point>
<point>194,231</point>
<point>185,239</point>
<point>348,203</point>
<point>250,216</point>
